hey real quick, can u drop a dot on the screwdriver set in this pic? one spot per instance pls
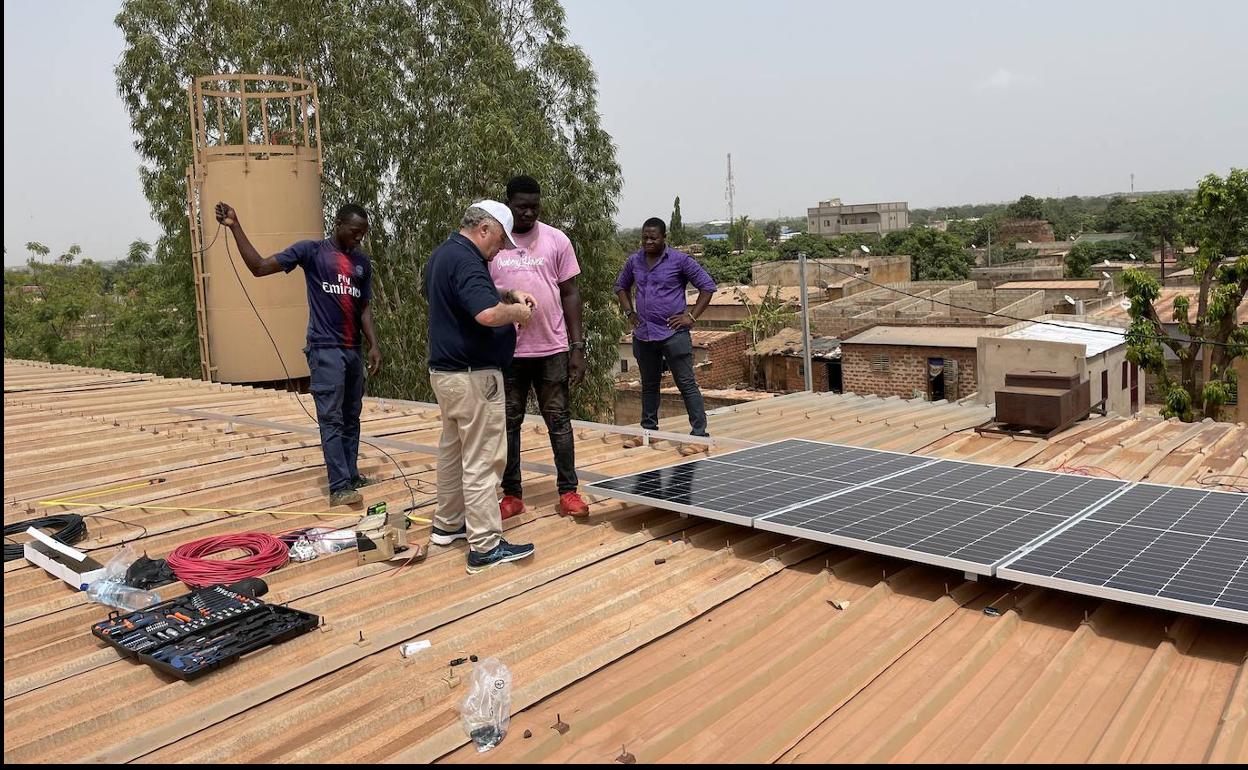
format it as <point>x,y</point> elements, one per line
<point>200,631</point>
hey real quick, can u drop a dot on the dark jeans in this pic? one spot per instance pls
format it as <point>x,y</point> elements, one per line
<point>549,377</point>
<point>338,389</point>
<point>676,355</point>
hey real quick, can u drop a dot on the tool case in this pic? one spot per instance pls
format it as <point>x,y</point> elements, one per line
<point>193,634</point>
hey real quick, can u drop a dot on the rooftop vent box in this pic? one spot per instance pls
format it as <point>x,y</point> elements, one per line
<point>1042,400</point>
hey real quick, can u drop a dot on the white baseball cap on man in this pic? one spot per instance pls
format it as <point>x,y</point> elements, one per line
<point>502,213</point>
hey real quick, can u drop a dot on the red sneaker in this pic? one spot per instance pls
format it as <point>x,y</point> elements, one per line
<point>511,506</point>
<point>572,504</point>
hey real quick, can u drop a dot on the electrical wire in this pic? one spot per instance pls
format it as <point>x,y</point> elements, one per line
<point>265,554</point>
<point>1058,324</point>
<point>72,528</point>
<point>1238,484</point>
<point>290,380</point>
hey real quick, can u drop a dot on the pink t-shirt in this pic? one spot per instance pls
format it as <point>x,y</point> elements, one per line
<point>544,260</point>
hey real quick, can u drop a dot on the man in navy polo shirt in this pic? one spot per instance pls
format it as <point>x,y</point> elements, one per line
<point>472,339</point>
<point>340,285</point>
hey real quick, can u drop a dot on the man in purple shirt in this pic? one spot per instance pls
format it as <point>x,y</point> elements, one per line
<point>661,323</point>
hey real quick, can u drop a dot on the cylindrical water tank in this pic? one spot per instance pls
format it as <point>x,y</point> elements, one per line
<point>256,148</point>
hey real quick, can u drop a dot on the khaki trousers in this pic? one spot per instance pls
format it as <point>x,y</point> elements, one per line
<point>471,454</point>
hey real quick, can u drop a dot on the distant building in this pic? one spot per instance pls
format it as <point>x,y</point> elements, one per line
<point>1022,230</point>
<point>936,363</point>
<point>780,364</point>
<point>832,218</point>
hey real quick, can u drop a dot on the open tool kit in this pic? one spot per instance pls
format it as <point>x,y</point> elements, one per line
<point>208,628</point>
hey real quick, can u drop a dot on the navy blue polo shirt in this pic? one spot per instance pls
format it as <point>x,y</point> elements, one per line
<point>458,286</point>
<point>340,286</point>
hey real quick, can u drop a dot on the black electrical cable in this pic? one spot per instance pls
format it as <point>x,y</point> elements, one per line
<point>72,528</point>
<point>290,380</point>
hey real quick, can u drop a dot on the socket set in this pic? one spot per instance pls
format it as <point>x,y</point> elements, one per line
<point>200,631</point>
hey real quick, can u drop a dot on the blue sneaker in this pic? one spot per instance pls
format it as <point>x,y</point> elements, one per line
<point>442,537</point>
<point>502,552</point>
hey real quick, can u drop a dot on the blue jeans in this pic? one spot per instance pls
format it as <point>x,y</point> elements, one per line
<point>676,354</point>
<point>338,389</point>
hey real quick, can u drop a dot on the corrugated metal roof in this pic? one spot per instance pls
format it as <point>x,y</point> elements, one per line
<point>1095,338</point>
<point>676,639</point>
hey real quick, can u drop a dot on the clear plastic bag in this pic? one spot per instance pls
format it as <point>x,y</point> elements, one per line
<point>486,711</point>
<point>117,566</point>
<point>111,589</point>
<point>327,541</point>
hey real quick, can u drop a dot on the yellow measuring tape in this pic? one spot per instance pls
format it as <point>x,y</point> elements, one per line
<point>77,501</point>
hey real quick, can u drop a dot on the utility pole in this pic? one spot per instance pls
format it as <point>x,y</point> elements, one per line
<point>801,278</point>
<point>730,194</point>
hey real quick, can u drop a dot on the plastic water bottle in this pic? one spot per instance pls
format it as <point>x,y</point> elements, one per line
<point>117,594</point>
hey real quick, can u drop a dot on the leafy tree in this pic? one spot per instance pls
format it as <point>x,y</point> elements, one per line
<point>771,231</point>
<point>37,250</point>
<point>139,252</point>
<point>739,233</point>
<point>1218,220</point>
<point>767,317</point>
<point>815,246</point>
<point>1083,257</point>
<point>934,256</point>
<point>676,227</point>
<point>424,108</point>
<point>1117,217</point>
<point>1159,219</point>
<point>1027,207</point>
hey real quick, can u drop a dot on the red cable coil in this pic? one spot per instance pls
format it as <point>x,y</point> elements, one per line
<point>267,553</point>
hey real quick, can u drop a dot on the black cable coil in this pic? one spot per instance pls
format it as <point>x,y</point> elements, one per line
<point>72,528</point>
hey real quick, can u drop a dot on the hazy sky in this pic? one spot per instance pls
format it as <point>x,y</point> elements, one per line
<point>931,103</point>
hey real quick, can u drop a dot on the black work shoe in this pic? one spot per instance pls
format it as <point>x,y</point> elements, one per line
<point>502,552</point>
<point>362,481</point>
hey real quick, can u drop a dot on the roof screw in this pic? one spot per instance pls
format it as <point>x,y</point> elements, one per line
<point>625,758</point>
<point>560,726</point>
<point>361,637</point>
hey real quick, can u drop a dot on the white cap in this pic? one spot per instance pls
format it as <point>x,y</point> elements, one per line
<point>502,213</point>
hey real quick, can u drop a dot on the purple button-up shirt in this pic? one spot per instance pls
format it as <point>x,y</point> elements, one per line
<point>661,290</point>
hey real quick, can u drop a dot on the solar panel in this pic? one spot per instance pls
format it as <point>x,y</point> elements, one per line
<point>740,486</point>
<point>1173,548</point>
<point>961,515</point>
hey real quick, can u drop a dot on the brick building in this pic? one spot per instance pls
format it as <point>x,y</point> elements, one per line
<point>934,363</point>
<point>719,359</point>
<point>779,363</point>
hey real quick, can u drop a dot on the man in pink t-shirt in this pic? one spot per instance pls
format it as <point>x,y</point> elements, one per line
<point>550,349</point>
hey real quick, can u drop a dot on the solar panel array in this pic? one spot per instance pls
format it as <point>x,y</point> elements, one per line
<point>740,486</point>
<point>1174,548</point>
<point>954,514</point>
<point>1168,547</point>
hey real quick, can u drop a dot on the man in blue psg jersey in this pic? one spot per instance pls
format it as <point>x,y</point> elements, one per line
<point>340,285</point>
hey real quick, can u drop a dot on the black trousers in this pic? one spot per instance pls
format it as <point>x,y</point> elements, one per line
<point>549,378</point>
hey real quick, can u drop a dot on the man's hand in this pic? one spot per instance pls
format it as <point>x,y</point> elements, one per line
<point>524,298</point>
<point>633,318</point>
<point>226,214</point>
<point>374,360</point>
<point>576,366</point>
<point>523,312</point>
<point>681,321</point>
